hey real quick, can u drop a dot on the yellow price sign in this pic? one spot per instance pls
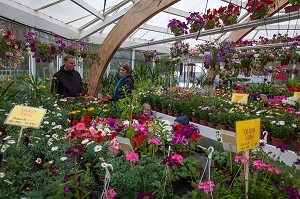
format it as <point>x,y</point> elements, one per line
<point>239,98</point>
<point>297,94</point>
<point>247,134</point>
<point>25,116</point>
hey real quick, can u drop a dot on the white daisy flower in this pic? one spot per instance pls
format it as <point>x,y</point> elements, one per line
<point>104,165</point>
<point>59,114</point>
<point>53,123</point>
<point>84,141</point>
<point>50,162</point>
<point>54,148</point>
<point>294,125</point>
<point>47,136</point>
<point>91,142</point>
<point>6,138</point>
<point>11,142</point>
<point>2,175</point>
<point>97,148</point>
<point>7,181</point>
<point>46,122</point>
<point>4,147</point>
<point>55,136</point>
<point>38,160</point>
<point>63,158</point>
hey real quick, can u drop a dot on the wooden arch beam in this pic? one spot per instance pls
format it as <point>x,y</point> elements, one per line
<point>134,18</point>
<point>240,34</point>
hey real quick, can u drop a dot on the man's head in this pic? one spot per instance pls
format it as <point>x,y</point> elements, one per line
<point>69,62</point>
<point>181,120</point>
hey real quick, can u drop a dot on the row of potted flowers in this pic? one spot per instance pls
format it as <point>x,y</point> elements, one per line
<point>279,117</point>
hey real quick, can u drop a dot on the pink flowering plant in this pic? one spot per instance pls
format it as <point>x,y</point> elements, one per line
<point>179,48</point>
<point>10,50</point>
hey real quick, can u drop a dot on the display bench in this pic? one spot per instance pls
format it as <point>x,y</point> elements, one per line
<point>288,157</point>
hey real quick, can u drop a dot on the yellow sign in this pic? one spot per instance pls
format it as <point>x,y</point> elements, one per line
<point>297,94</point>
<point>25,116</point>
<point>239,98</point>
<point>247,134</point>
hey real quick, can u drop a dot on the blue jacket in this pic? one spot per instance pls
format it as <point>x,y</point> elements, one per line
<point>128,84</point>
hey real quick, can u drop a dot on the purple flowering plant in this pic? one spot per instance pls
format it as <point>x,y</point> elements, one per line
<point>195,20</point>
<point>177,27</point>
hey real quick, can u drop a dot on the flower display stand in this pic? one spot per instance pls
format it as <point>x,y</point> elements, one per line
<point>293,8</point>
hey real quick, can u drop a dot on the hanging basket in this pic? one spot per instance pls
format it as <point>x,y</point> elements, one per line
<point>147,58</point>
<point>293,8</point>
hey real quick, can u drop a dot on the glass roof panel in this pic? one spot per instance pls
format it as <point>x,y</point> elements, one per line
<point>35,4</point>
<point>65,11</point>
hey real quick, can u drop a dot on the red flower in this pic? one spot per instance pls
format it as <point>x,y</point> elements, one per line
<point>136,141</point>
<point>74,122</point>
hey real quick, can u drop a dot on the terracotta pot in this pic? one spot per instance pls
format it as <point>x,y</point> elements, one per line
<point>158,109</point>
<point>176,114</point>
<point>147,58</point>
<point>277,141</point>
<point>164,111</point>
<point>293,8</point>
<point>230,128</point>
<point>211,125</point>
<point>193,31</point>
<point>297,145</point>
<point>195,119</point>
<point>222,126</point>
<point>203,122</point>
<point>208,28</point>
<point>285,62</point>
<point>170,112</point>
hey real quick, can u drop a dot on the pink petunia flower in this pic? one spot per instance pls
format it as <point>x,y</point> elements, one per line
<point>132,157</point>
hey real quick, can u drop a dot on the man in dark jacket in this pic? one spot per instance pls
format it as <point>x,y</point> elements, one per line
<point>67,81</point>
<point>125,84</point>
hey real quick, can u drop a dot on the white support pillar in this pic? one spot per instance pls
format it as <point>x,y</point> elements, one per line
<point>32,65</point>
<point>59,62</point>
<point>133,58</point>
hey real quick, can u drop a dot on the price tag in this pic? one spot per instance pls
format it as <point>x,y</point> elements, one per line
<point>297,94</point>
<point>25,116</point>
<point>239,98</point>
<point>247,134</point>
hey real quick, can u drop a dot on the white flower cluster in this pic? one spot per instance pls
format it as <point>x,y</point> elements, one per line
<point>290,101</point>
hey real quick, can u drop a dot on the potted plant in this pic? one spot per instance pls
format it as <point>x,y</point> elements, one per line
<point>280,131</point>
<point>179,48</point>
<point>149,54</point>
<point>258,9</point>
<point>10,50</point>
<point>177,27</point>
<point>294,7</point>
<point>229,14</point>
<point>195,21</point>
<point>211,19</point>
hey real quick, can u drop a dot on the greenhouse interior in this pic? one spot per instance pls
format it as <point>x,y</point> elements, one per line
<point>150,99</point>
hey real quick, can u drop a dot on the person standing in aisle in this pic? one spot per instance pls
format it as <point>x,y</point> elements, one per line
<point>67,81</point>
<point>125,84</point>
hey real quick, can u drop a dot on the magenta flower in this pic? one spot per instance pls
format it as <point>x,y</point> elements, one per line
<point>110,194</point>
<point>155,141</point>
<point>207,186</point>
<point>75,150</point>
<point>177,157</point>
<point>132,157</point>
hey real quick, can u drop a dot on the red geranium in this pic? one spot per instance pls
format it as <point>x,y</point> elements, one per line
<point>259,8</point>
